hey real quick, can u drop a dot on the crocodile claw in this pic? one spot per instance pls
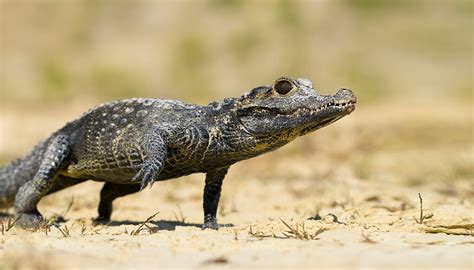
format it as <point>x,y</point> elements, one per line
<point>210,225</point>
<point>147,175</point>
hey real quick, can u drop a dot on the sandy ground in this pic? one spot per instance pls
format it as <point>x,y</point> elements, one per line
<point>346,198</point>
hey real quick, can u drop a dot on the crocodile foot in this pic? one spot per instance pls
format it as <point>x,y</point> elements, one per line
<point>101,221</point>
<point>210,225</point>
<point>30,220</point>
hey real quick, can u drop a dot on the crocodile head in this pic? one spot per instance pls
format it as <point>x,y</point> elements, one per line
<point>291,108</point>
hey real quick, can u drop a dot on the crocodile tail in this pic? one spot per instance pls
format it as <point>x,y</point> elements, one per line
<point>14,174</point>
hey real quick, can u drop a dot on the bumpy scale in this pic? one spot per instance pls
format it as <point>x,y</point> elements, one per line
<point>130,144</point>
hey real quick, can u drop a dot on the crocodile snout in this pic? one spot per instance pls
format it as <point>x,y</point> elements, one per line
<point>345,99</point>
<point>346,95</point>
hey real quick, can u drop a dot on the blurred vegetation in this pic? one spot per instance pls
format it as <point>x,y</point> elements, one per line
<point>409,62</point>
<point>70,50</point>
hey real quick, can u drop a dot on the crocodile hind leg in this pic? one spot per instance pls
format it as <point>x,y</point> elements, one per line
<point>32,191</point>
<point>108,194</point>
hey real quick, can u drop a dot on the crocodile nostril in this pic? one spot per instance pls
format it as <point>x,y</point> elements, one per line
<point>347,94</point>
<point>344,91</point>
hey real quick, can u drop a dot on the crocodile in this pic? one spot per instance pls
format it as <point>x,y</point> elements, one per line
<point>130,144</point>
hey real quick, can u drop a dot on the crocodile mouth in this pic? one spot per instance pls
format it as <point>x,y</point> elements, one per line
<point>336,111</point>
<point>320,124</point>
<point>339,106</point>
<point>304,111</point>
<point>326,122</point>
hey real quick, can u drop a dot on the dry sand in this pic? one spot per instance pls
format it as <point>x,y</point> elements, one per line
<point>354,217</point>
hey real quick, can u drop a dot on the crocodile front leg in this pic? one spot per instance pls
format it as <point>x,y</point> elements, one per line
<point>155,149</point>
<point>212,193</point>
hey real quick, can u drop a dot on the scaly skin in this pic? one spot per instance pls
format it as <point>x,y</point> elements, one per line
<point>130,144</point>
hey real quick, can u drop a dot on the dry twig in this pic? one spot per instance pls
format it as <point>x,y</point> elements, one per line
<point>259,234</point>
<point>64,231</point>
<point>300,232</point>
<point>83,229</point>
<point>11,223</point>
<point>422,216</point>
<point>366,238</point>
<point>66,211</point>
<point>181,218</point>
<point>143,224</point>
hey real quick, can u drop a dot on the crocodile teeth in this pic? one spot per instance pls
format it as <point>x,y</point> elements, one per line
<point>328,105</point>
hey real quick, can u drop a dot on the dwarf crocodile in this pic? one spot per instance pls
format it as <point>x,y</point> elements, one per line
<point>130,144</point>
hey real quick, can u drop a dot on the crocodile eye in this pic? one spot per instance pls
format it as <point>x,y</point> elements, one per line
<point>283,87</point>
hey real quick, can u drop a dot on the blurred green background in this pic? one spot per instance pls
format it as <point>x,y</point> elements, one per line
<point>55,51</point>
<point>409,62</point>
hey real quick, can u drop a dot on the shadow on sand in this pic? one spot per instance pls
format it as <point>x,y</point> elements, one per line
<point>6,215</point>
<point>166,225</point>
